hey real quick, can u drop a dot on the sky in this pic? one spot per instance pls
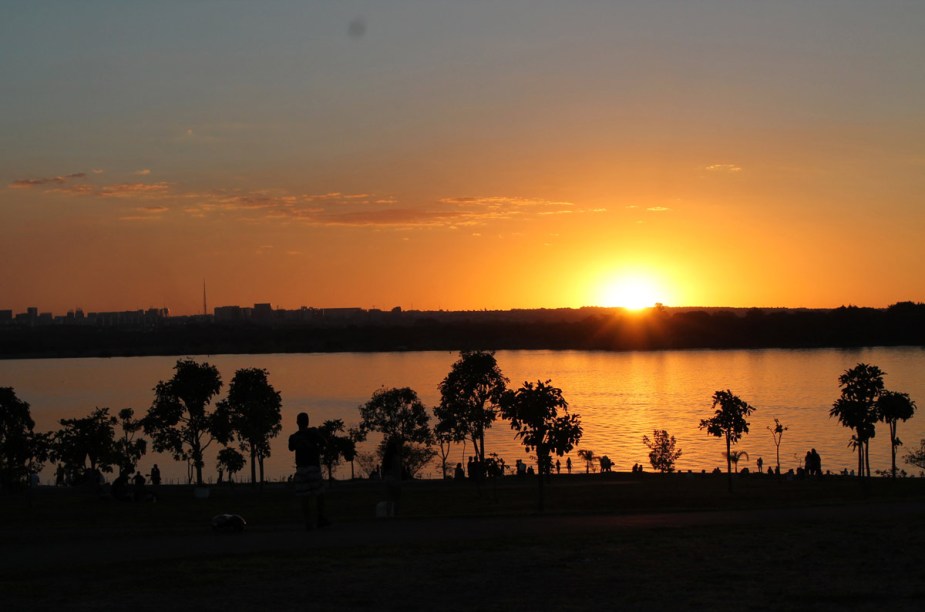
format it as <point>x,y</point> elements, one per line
<point>440,154</point>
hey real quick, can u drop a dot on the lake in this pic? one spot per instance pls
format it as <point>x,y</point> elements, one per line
<point>620,397</point>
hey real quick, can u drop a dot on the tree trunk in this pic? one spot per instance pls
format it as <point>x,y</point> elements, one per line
<point>729,462</point>
<point>860,460</point>
<point>260,462</point>
<point>893,446</point>
<point>197,463</point>
<point>253,467</point>
<point>540,460</point>
<point>867,456</point>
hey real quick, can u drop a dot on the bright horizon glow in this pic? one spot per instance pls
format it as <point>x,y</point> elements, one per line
<point>632,292</point>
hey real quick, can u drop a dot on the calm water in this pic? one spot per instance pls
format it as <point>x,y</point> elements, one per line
<point>620,396</point>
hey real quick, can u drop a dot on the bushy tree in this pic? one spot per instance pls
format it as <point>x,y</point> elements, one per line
<point>917,457</point>
<point>129,449</point>
<point>86,442</point>
<point>398,415</point>
<point>663,450</point>
<point>539,415</point>
<point>856,408</point>
<point>728,422</point>
<point>892,407</point>
<point>21,449</point>
<point>469,399</point>
<point>445,438</point>
<point>252,414</point>
<point>335,446</point>
<point>231,461</point>
<point>352,455</point>
<point>179,421</point>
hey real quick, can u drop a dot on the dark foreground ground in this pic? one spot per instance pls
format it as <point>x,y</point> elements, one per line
<point>605,542</point>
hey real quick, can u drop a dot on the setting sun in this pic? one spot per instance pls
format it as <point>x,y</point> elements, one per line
<point>632,293</point>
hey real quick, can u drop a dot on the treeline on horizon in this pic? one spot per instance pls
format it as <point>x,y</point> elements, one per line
<point>902,324</point>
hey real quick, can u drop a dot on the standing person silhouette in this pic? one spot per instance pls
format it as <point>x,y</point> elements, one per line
<point>306,443</point>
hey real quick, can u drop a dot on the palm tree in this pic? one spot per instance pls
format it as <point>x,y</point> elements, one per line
<point>588,457</point>
<point>735,456</point>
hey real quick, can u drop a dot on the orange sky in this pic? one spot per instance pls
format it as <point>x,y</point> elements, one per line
<point>461,156</point>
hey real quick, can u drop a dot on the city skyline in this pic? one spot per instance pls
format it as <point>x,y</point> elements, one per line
<point>461,156</point>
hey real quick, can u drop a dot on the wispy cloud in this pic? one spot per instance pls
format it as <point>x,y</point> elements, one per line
<point>500,201</point>
<point>724,168</point>
<point>658,209</point>
<point>396,217</point>
<point>30,183</point>
<point>153,200</point>
<point>145,214</point>
<point>142,172</point>
<point>122,190</point>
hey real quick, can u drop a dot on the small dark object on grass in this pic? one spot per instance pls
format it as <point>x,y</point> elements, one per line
<point>228,523</point>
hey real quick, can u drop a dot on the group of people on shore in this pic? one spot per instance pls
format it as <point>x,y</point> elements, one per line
<point>121,491</point>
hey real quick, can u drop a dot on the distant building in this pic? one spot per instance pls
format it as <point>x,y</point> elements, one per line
<point>262,313</point>
<point>229,314</point>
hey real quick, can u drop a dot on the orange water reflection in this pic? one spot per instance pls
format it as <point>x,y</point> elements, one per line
<point>620,396</point>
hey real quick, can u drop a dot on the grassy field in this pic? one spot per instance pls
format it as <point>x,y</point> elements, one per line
<point>604,541</point>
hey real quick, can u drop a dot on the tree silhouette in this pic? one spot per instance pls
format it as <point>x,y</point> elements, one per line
<point>534,412</point>
<point>19,445</point>
<point>893,406</point>
<point>252,414</point>
<point>129,450</point>
<point>230,460</point>
<point>178,421</point>
<point>777,432</point>
<point>856,408</point>
<point>917,457</point>
<point>335,446</point>
<point>728,422</point>
<point>469,398</point>
<point>355,436</point>
<point>444,436</point>
<point>89,439</point>
<point>663,451</point>
<point>397,414</point>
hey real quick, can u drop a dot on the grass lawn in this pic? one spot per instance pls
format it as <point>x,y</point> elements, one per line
<point>604,541</point>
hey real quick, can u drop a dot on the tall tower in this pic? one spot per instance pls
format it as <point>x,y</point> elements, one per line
<point>205,308</point>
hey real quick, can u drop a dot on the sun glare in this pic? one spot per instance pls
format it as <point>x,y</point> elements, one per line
<point>632,293</point>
